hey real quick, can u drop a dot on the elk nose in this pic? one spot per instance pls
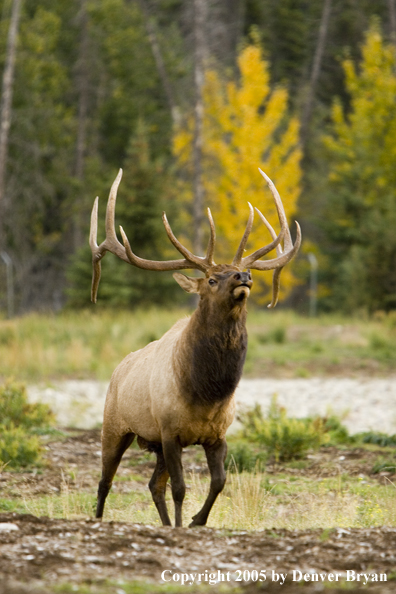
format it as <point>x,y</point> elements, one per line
<point>244,277</point>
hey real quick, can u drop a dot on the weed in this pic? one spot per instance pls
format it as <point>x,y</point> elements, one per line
<point>275,335</point>
<point>242,457</point>
<point>384,465</point>
<point>376,438</point>
<point>15,409</point>
<point>337,432</point>
<point>19,447</point>
<point>283,437</point>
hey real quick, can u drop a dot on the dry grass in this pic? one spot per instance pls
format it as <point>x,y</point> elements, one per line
<point>90,343</point>
<point>248,502</point>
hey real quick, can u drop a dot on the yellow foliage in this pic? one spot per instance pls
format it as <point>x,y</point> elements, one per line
<point>364,140</point>
<point>246,126</point>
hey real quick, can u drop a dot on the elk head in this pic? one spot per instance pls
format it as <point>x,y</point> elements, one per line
<point>227,281</point>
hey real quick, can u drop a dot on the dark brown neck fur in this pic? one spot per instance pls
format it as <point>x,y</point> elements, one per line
<point>213,350</point>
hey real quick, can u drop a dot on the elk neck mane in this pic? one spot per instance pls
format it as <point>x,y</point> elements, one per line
<point>211,354</point>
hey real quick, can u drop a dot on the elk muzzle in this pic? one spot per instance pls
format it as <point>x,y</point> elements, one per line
<point>244,284</point>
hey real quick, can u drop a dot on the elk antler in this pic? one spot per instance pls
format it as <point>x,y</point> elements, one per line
<point>111,244</point>
<point>283,256</point>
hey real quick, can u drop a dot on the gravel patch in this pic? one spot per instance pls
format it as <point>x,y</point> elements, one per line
<point>364,404</point>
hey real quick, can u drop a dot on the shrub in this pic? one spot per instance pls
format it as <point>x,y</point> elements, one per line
<point>283,437</point>
<point>242,457</point>
<point>18,448</point>
<point>18,420</point>
<point>380,439</point>
<point>337,432</point>
<point>16,410</point>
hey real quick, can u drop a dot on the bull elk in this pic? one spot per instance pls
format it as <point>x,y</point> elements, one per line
<point>179,390</point>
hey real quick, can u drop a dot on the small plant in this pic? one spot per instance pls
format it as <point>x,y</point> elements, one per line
<point>18,421</point>
<point>380,439</point>
<point>241,457</point>
<point>16,410</point>
<point>337,432</point>
<point>18,448</point>
<point>275,335</point>
<point>283,437</point>
<point>383,465</point>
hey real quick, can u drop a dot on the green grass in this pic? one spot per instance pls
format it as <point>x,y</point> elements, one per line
<point>250,501</point>
<point>90,343</point>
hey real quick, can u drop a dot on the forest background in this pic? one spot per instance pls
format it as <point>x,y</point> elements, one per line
<point>189,98</point>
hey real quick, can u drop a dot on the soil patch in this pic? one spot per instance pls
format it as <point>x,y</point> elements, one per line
<point>79,551</point>
<point>43,552</point>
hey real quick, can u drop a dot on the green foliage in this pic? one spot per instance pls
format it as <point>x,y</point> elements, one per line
<point>283,437</point>
<point>78,102</point>
<point>360,216</point>
<point>18,420</point>
<point>143,194</point>
<point>384,465</point>
<point>18,448</point>
<point>337,432</point>
<point>379,439</point>
<point>16,411</point>
<point>274,335</point>
<point>243,457</point>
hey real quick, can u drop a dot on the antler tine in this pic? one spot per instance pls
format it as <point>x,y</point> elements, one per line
<point>282,260</point>
<point>275,244</point>
<point>96,266</point>
<point>279,250</point>
<point>283,256</point>
<point>212,241</point>
<point>111,243</point>
<point>195,261</point>
<point>281,211</point>
<point>277,271</point>
<point>159,265</point>
<point>241,248</point>
<point>275,287</point>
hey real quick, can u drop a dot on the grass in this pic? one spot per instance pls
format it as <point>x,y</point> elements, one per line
<point>90,343</point>
<point>250,501</point>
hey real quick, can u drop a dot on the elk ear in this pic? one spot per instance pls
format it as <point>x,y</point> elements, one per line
<point>190,285</point>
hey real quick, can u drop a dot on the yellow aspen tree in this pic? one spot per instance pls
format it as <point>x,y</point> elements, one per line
<point>246,126</point>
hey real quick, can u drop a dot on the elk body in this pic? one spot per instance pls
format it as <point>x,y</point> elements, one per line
<point>179,390</point>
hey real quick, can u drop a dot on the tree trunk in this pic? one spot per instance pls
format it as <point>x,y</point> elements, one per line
<point>6,100</point>
<point>82,81</point>
<point>159,62</point>
<point>200,9</point>
<point>317,64</point>
<point>392,20</point>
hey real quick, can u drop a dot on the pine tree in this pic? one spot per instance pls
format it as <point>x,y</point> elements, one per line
<point>144,193</point>
<point>361,213</point>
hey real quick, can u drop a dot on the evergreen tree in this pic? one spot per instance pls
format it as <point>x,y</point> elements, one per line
<point>360,217</point>
<point>144,193</point>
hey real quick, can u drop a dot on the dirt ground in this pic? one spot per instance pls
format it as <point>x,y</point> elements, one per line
<point>39,554</point>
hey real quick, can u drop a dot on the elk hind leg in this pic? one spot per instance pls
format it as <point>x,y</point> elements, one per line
<point>113,448</point>
<point>215,455</point>
<point>157,487</point>
<point>172,454</point>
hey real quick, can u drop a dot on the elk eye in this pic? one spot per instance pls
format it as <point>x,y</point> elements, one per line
<point>212,282</point>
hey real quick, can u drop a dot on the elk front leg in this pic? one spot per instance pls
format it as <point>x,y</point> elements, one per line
<point>113,448</point>
<point>172,453</point>
<point>215,455</point>
<point>157,487</point>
